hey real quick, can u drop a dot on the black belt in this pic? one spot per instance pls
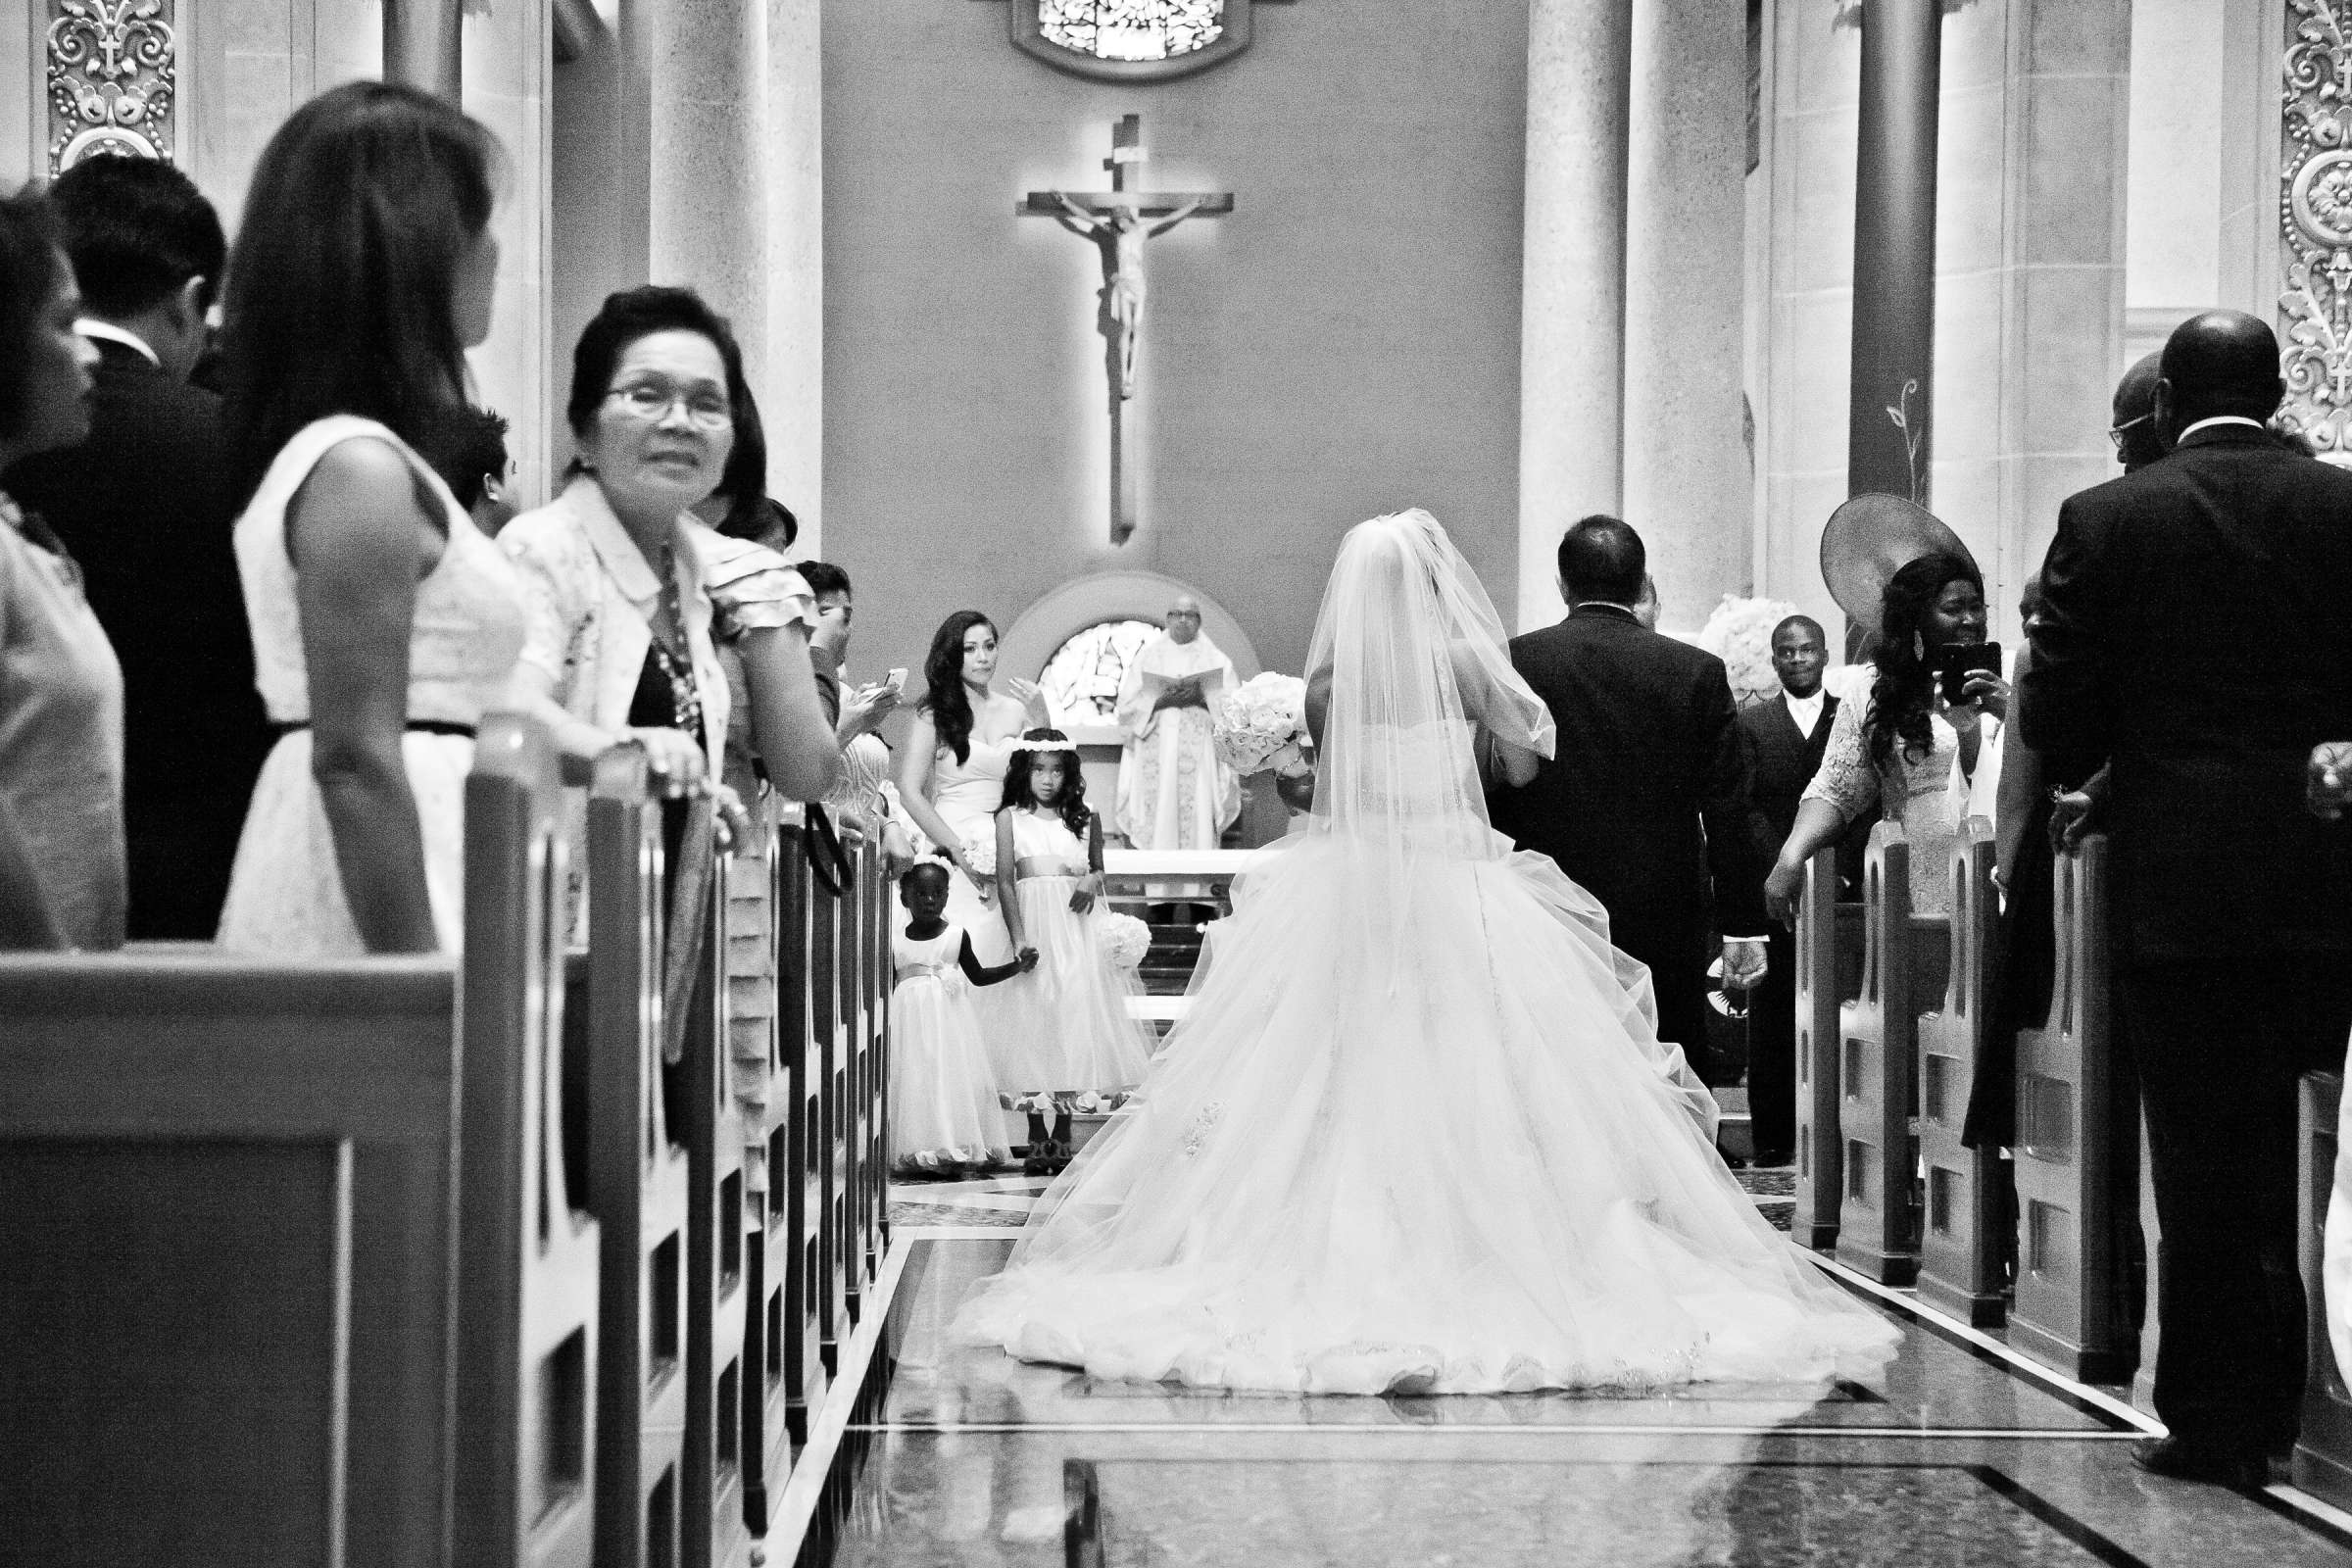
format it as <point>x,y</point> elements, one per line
<point>422,726</point>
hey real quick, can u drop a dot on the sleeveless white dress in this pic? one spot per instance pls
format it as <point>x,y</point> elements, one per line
<point>1067,1021</point>
<point>944,1110</point>
<point>285,893</point>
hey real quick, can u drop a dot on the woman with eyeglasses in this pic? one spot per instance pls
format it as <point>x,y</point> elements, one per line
<point>625,612</point>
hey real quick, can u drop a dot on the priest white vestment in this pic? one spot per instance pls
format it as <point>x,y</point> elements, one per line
<point>1173,792</point>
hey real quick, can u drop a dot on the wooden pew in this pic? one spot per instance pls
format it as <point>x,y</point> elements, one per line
<point>2323,1462</point>
<point>850,1068</point>
<point>830,1150</point>
<point>1962,1250</point>
<point>526,1274</point>
<point>243,1324</point>
<point>712,1496</point>
<point>2077,1143</point>
<point>637,1176</point>
<point>1903,960</point>
<point>1828,966</point>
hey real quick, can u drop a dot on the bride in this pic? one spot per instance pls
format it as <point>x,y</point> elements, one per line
<point>1417,1133</point>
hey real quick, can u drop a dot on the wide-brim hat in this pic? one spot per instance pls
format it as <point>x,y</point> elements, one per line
<point>1871,538</point>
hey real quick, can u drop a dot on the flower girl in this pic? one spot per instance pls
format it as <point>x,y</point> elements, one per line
<point>944,1110</point>
<point>1067,1027</point>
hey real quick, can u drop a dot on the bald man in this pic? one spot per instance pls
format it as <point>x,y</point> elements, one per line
<point>2131,425</point>
<point>2195,638</point>
<point>1174,794</point>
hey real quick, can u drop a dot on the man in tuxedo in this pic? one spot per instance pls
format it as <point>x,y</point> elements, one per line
<point>2231,904</point>
<point>144,506</point>
<point>1648,751</point>
<point>1784,738</point>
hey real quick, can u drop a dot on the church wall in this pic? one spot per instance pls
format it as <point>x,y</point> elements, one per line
<point>1345,343</point>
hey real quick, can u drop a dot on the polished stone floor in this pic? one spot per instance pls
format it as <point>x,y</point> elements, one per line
<point>1958,1455</point>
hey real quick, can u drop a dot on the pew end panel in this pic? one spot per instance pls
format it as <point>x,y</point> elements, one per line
<point>637,1174</point>
<point>2077,1165</point>
<point>228,1238</point>
<point>1877,1227</point>
<point>527,1261</point>
<point>712,1498</point>
<point>1963,1233</point>
<point>1825,929</point>
<point>2323,1458</point>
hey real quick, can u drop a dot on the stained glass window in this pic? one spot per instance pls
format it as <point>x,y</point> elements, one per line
<point>1131,29</point>
<point>1082,679</point>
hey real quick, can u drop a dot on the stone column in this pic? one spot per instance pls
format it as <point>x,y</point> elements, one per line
<point>709,163</point>
<point>1895,249</point>
<point>1689,482</point>
<point>2030,323</point>
<point>424,44</point>
<point>793,397</point>
<point>1572,326</point>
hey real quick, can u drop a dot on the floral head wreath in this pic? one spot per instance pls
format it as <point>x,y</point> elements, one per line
<point>1041,745</point>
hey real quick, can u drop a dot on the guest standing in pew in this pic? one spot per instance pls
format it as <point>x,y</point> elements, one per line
<point>1647,804</point>
<point>1926,763</point>
<point>2233,903</point>
<point>618,573</point>
<point>865,798</point>
<point>62,879</point>
<point>1784,738</point>
<point>144,505</point>
<point>384,622</point>
<point>469,451</point>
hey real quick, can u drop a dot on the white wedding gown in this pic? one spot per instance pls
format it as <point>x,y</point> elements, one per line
<point>1417,1131</point>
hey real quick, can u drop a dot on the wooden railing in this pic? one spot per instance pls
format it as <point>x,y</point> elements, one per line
<point>371,1261</point>
<point>1963,1209</point>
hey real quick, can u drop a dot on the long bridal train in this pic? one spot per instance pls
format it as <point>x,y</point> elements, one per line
<point>1417,1133</point>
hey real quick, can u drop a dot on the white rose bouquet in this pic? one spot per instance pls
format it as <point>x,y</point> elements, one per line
<point>1740,633</point>
<point>1125,940</point>
<point>980,851</point>
<point>1258,720</point>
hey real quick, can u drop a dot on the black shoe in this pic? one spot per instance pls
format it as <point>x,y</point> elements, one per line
<point>1771,1158</point>
<point>2177,1460</point>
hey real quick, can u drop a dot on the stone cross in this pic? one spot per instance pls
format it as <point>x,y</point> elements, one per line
<point>1118,221</point>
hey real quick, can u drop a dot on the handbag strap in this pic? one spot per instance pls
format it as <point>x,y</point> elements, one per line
<point>828,862</point>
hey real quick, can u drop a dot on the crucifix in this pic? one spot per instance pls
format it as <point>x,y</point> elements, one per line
<point>1118,221</point>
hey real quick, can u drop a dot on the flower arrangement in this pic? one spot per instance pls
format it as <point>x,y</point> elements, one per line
<point>1258,720</point>
<point>1740,633</point>
<point>980,851</point>
<point>1125,940</point>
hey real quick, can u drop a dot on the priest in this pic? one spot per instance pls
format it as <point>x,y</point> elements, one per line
<point>1174,794</point>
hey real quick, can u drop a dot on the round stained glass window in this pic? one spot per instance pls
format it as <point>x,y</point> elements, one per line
<point>1081,681</point>
<point>1131,29</point>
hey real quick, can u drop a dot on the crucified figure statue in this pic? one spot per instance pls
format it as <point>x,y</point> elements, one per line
<point>1118,231</point>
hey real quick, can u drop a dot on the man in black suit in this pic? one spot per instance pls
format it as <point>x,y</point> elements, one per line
<point>1784,738</point>
<point>2195,637</point>
<point>144,505</point>
<point>1648,750</point>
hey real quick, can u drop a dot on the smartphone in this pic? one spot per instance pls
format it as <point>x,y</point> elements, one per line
<point>1954,663</point>
<point>896,680</point>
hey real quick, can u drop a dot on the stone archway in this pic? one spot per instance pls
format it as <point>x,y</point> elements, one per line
<point>1042,628</point>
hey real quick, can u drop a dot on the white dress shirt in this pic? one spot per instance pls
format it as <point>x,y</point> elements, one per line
<point>1806,710</point>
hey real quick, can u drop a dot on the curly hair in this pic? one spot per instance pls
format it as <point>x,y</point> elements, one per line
<point>1904,693</point>
<point>1070,803</point>
<point>945,701</point>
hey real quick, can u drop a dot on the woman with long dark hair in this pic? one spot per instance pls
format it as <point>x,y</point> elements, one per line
<point>1928,762</point>
<point>951,779</point>
<point>383,621</point>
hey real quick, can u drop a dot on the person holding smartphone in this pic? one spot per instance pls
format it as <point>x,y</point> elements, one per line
<point>1924,746</point>
<point>862,797</point>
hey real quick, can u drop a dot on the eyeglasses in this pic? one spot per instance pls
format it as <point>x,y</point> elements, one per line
<point>2115,433</point>
<point>706,409</point>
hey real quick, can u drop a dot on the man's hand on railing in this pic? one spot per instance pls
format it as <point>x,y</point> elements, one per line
<point>2077,814</point>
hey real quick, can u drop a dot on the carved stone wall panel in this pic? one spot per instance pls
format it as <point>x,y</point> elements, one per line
<point>2315,217</point>
<point>112,79</point>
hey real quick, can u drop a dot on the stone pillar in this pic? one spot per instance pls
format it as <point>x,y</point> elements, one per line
<point>1895,249</point>
<point>1688,483</point>
<point>1572,326</point>
<point>507,66</point>
<point>793,399</point>
<point>708,161</point>
<point>2030,322</point>
<point>424,44</point>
